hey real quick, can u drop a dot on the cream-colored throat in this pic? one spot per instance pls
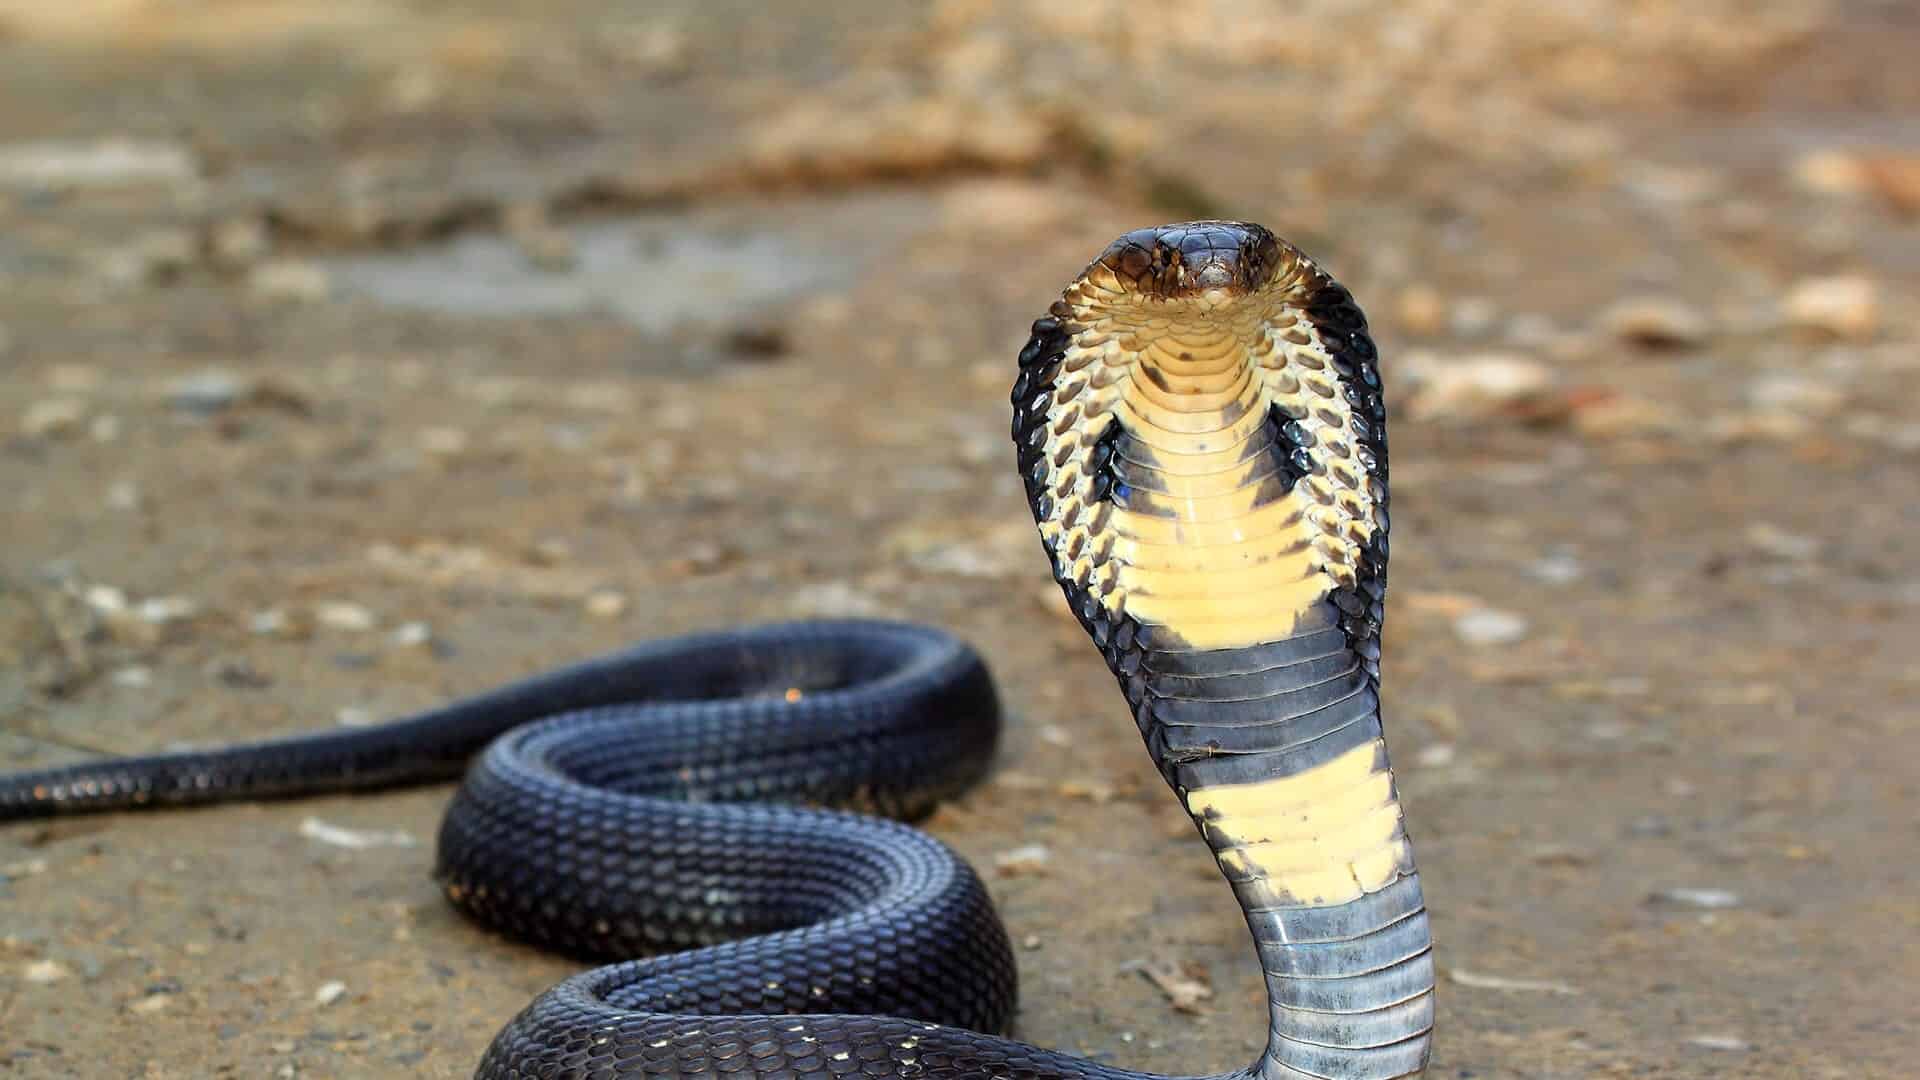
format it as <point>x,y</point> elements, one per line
<point>1208,528</point>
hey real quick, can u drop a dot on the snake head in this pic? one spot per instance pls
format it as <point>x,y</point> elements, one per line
<point>1212,260</point>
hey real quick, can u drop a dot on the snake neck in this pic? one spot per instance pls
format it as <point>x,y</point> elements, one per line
<point>1208,471</point>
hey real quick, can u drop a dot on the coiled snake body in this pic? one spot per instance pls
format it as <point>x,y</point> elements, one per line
<point>1202,438</point>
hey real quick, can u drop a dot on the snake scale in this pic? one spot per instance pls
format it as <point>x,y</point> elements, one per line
<point>1201,435</point>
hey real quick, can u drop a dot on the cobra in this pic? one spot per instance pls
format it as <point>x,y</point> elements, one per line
<point>1201,435</point>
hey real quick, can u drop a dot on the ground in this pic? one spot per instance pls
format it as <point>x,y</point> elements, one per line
<point>358,354</point>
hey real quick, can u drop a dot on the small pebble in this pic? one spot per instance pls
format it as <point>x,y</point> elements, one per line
<point>151,1004</point>
<point>123,495</point>
<point>329,993</point>
<point>1845,307</point>
<point>160,610</point>
<point>288,279</point>
<point>1436,756</point>
<point>53,418</point>
<point>1559,568</point>
<point>1769,539</point>
<point>45,971</point>
<point>606,604</point>
<point>1029,859</point>
<point>355,839</point>
<point>1490,626</point>
<point>134,677</point>
<point>1797,395</point>
<point>1703,899</point>
<point>206,392</point>
<point>1657,322</point>
<point>1422,311</point>
<point>340,615</point>
<point>413,635</point>
<point>354,716</point>
<point>1732,1043</point>
<point>1476,387</point>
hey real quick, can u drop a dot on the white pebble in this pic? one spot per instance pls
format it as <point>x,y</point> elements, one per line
<point>1844,307</point>
<point>1028,859</point>
<point>606,604</point>
<point>355,839</point>
<point>338,615</point>
<point>1490,626</point>
<point>45,971</point>
<point>331,991</point>
<point>1705,899</point>
<point>413,634</point>
<point>1720,1042</point>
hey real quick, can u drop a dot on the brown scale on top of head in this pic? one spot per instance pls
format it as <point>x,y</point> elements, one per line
<point>1191,260</point>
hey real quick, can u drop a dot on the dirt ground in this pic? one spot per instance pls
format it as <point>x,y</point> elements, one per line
<point>356,354</point>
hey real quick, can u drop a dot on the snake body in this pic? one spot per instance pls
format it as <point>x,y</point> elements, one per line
<point>1201,434</point>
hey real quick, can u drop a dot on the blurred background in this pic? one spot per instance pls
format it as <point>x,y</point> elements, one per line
<point>358,353</point>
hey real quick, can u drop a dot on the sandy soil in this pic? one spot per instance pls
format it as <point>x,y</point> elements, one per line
<point>357,354</point>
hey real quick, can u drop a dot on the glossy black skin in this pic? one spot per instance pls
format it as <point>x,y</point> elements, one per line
<point>633,803</point>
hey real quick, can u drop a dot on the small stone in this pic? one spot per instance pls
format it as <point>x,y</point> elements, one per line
<point>155,257</point>
<point>1490,626</point>
<point>1895,178</point>
<point>288,279</point>
<point>123,495</point>
<point>1560,855</point>
<point>105,599</point>
<point>1657,322</point>
<point>1030,859</point>
<point>354,716</point>
<point>1769,539</point>
<point>160,610</point>
<point>1094,791</point>
<point>1728,1043</point>
<point>53,418</point>
<point>45,971</point>
<point>1436,756</point>
<point>1477,387</point>
<point>1846,307</point>
<point>606,604</point>
<point>1480,981</point>
<point>206,392</point>
<point>1474,315</point>
<point>1702,899</point>
<point>1422,311</point>
<point>151,1004</point>
<point>1031,942</point>
<point>1558,568</point>
<point>355,839</point>
<point>114,161</point>
<point>134,677</point>
<point>1796,395</point>
<point>1830,172</point>
<point>1185,985</point>
<point>238,242</point>
<point>413,635</point>
<point>329,992</point>
<point>340,615</point>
